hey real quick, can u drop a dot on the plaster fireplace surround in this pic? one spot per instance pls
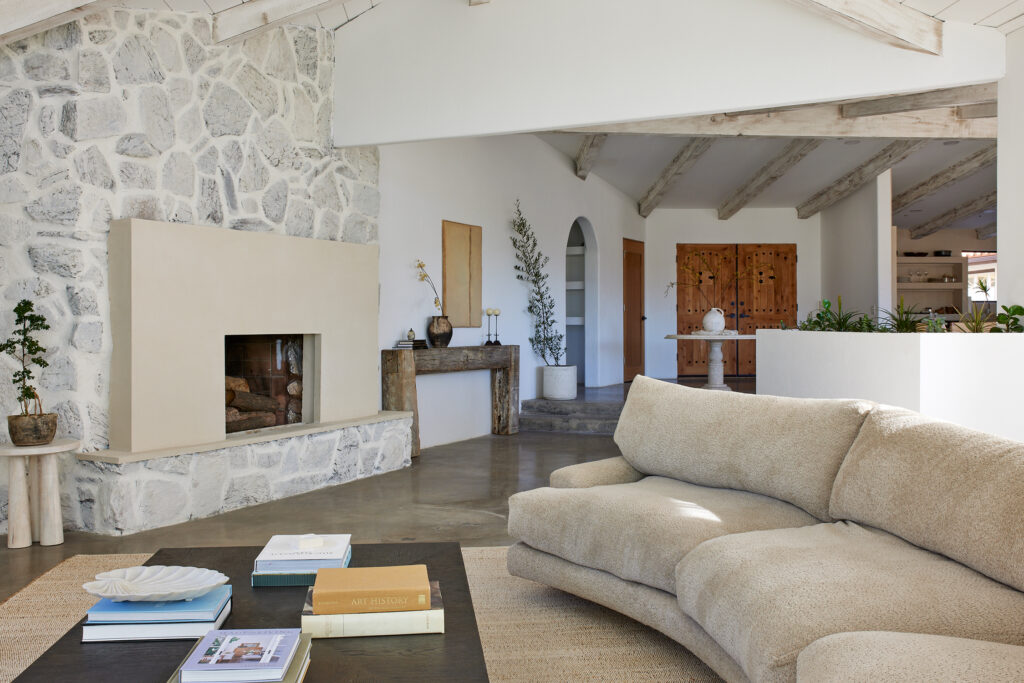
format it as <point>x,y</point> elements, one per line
<point>137,114</point>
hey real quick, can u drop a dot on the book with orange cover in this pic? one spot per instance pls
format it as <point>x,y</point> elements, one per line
<point>357,590</point>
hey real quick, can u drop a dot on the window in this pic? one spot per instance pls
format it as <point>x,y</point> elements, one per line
<point>981,266</point>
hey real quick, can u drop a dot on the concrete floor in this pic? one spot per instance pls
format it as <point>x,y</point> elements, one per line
<point>456,492</point>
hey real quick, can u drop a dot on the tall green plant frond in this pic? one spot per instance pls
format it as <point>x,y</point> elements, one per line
<point>547,342</point>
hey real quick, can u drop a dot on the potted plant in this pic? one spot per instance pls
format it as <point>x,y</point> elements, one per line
<point>32,427</point>
<point>439,329</point>
<point>559,381</point>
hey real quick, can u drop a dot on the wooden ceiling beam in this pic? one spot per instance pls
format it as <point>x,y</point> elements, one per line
<point>258,16</point>
<point>986,231</point>
<point>23,19</point>
<point>858,177</point>
<point>819,121</point>
<point>960,169</point>
<point>768,174</point>
<point>933,99</point>
<point>587,154</point>
<point>944,220</point>
<point>682,163</point>
<point>983,110</point>
<point>888,20</point>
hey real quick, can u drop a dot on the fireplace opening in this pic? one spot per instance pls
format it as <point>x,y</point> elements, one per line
<point>263,381</point>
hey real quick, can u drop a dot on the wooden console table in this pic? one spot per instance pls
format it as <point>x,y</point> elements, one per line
<point>399,367</point>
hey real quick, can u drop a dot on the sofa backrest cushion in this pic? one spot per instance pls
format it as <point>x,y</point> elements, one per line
<point>787,448</point>
<point>943,487</point>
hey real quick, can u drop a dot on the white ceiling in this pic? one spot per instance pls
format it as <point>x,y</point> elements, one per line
<point>632,163</point>
<point>1006,15</point>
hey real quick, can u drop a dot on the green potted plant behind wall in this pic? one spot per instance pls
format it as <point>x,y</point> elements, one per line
<point>558,381</point>
<point>32,427</point>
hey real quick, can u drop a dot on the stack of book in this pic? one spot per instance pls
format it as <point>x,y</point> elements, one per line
<point>172,620</point>
<point>411,344</point>
<point>373,601</point>
<point>279,655</point>
<point>295,560</point>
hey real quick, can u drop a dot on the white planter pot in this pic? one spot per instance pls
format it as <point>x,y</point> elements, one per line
<point>559,382</point>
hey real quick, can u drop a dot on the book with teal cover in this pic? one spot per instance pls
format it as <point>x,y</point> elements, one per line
<point>291,578</point>
<point>204,608</point>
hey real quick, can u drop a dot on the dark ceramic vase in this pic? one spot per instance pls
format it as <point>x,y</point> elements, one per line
<point>32,430</point>
<point>439,331</point>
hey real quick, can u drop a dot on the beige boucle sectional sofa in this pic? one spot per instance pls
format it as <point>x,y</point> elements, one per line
<point>785,539</point>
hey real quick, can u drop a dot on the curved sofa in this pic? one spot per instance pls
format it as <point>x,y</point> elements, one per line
<point>777,538</point>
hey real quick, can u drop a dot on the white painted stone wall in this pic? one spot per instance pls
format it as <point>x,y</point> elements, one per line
<point>137,114</point>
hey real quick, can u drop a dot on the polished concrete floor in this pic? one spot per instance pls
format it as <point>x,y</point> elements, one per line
<point>456,492</point>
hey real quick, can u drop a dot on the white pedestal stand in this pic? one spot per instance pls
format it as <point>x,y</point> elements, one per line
<point>716,369</point>
<point>33,498</point>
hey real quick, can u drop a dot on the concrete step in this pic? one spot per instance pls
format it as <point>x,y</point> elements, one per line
<point>571,423</point>
<point>606,409</point>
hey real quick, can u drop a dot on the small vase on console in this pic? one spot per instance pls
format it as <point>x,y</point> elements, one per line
<point>439,331</point>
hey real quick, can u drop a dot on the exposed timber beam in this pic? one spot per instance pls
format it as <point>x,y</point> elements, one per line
<point>258,16</point>
<point>858,177</point>
<point>820,121</point>
<point>682,163</point>
<point>986,231</point>
<point>768,174</point>
<point>22,19</point>
<point>888,20</point>
<point>983,110</point>
<point>960,169</point>
<point>933,99</point>
<point>478,2</point>
<point>587,154</point>
<point>944,220</point>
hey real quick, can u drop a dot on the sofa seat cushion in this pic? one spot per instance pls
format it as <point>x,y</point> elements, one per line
<point>640,531</point>
<point>886,657</point>
<point>766,595</point>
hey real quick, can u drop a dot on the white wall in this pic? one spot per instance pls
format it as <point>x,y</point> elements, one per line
<point>668,227</point>
<point>477,181</point>
<point>857,249</point>
<point>414,70</point>
<point>954,240</point>
<point>1010,177</point>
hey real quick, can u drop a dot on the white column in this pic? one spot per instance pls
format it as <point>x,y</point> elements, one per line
<point>19,528</point>
<point>1010,210</point>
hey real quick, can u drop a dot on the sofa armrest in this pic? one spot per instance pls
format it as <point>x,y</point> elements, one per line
<point>598,473</point>
<point>886,656</point>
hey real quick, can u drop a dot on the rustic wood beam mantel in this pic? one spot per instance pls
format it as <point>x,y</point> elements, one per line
<point>587,154</point>
<point>858,177</point>
<point>933,99</point>
<point>986,231</point>
<point>399,367</point>
<point>944,220</point>
<point>683,162</point>
<point>817,121</point>
<point>258,16</point>
<point>23,19</point>
<point>888,20</point>
<point>960,169</point>
<point>768,174</point>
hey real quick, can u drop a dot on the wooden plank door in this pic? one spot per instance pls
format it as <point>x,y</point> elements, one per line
<point>707,273</point>
<point>632,309</point>
<point>766,285</point>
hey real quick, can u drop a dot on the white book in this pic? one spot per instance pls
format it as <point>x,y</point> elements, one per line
<point>375,623</point>
<point>171,630</point>
<point>291,553</point>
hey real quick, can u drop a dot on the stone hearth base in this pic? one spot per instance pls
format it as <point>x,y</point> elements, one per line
<point>116,499</point>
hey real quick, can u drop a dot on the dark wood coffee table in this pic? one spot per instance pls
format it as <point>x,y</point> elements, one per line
<point>454,655</point>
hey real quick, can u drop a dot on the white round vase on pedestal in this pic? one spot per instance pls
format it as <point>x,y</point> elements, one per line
<point>559,382</point>
<point>714,320</point>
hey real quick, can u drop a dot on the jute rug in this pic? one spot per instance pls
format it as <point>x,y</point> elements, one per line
<point>529,632</point>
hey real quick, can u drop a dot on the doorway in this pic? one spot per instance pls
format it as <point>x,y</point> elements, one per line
<point>753,284</point>
<point>632,309</point>
<point>576,301</point>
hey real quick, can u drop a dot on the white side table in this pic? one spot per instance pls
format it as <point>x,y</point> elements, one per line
<point>716,368</point>
<point>35,468</point>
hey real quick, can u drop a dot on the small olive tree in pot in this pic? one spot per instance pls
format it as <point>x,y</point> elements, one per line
<point>32,427</point>
<point>559,381</point>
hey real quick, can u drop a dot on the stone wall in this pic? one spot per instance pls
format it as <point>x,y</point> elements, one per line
<point>137,114</point>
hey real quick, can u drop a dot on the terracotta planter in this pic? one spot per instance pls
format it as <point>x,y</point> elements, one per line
<point>439,331</point>
<point>32,430</point>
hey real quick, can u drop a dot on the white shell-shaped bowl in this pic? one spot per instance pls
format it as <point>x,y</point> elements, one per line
<point>150,584</point>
